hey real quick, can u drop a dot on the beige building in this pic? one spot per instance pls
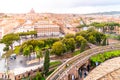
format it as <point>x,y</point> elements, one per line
<point>47,30</point>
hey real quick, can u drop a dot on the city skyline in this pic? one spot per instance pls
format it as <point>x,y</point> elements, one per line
<point>59,6</point>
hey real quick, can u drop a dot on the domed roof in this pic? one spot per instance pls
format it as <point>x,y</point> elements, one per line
<point>32,11</point>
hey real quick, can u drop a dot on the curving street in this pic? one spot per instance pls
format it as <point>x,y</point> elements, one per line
<point>62,72</point>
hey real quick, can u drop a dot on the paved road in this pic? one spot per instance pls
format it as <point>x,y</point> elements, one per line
<point>20,61</point>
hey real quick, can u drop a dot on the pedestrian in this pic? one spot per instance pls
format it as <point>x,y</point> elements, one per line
<point>80,73</point>
<point>73,77</point>
<point>85,74</point>
<point>96,63</point>
<point>88,67</point>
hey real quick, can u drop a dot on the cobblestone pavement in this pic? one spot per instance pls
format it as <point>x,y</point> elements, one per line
<point>108,67</point>
<point>115,75</point>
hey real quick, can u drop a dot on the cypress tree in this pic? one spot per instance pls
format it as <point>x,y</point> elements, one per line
<point>46,62</point>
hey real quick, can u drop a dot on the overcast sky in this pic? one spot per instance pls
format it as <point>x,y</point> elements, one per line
<point>59,6</point>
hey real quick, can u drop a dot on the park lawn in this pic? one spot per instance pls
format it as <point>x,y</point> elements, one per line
<point>55,63</point>
<point>76,53</point>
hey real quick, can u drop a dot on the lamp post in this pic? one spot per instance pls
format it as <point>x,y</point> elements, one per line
<point>6,68</point>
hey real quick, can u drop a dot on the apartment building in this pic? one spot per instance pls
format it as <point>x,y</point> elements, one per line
<point>45,30</point>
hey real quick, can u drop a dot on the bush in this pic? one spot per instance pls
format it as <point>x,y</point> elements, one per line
<point>105,56</point>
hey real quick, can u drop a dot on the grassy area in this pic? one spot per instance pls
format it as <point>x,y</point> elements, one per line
<point>53,66</point>
<point>105,56</point>
<point>76,53</point>
<point>55,63</point>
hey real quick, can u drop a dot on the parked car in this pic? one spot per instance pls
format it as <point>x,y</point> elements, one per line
<point>13,56</point>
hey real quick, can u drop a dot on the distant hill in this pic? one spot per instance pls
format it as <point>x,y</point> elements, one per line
<point>106,13</point>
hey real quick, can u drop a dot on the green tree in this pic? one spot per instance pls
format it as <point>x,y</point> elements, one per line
<point>92,39</point>
<point>32,46</point>
<point>104,41</point>
<point>111,25</point>
<point>118,37</point>
<point>58,48</point>
<point>91,35</point>
<point>27,50</point>
<point>69,36</point>
<point>91,29</point>
<point>34,43</point>
<point>49,42</point>
<point>6,48</point>
<point>70,44</point>
<point>83,45</point>
<point>38,52</point>
<point>40,44</point>
<point>98,25</point>
<point>32,33</point>
<point>98,37</point>
<point>82,33</point>
<point>46,61</point>
<point>79,40</point>
<point>9,39</point>
<point>17,49</point>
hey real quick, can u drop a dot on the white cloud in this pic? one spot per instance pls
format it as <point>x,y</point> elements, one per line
<point>59,6</point>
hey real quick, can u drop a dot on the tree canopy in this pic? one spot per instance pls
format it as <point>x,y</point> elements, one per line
<point>9,39</point>
<point>58,48</point>
<point>69,44</point>
<point>105,25</point>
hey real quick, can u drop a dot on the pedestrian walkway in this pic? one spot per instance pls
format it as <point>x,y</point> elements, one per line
<point>103,69</point>
<point>18,71</point>
<point>21,70</point>
<point>115,75</point>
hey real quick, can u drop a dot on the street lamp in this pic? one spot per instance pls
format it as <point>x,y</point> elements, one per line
<point>6,68</point>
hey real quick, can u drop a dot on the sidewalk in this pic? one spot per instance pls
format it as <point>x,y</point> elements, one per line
<point>104,69</point>
<point>21,70</point>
